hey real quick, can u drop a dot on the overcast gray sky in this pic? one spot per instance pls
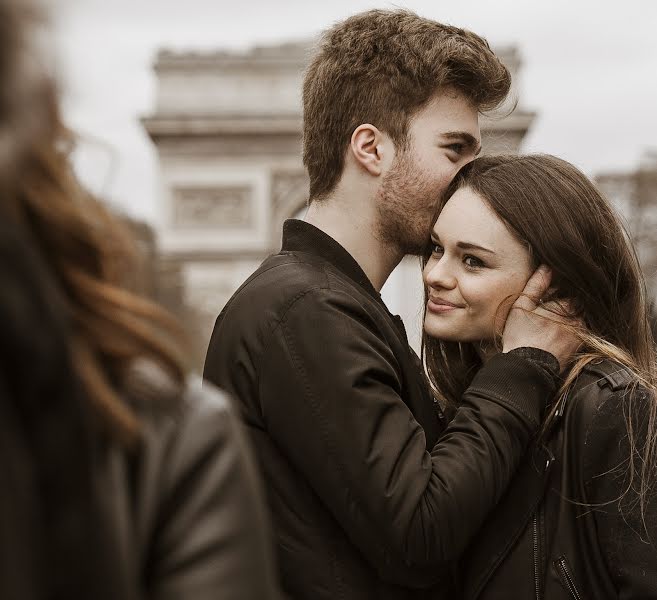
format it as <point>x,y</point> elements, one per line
<point>589,70</point>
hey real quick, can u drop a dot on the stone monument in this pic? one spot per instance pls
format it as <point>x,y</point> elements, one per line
<point>227,128</point>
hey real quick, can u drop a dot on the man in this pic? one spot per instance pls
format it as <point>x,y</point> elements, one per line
<point>371,495</point>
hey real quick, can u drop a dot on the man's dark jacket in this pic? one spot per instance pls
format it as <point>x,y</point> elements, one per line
<point>371,497</point>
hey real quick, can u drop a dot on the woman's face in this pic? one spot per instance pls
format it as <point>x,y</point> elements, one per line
<point>475,265</point>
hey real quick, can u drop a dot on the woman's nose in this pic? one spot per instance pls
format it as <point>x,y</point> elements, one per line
<point>437,274</point>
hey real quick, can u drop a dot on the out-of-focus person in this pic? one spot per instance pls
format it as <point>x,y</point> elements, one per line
<point>119,478</point>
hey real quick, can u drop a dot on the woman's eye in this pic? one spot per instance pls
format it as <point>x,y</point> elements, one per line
<point>436,249</point>
<point>473,262</point>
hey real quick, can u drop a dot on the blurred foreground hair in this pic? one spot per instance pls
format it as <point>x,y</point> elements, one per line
<point>71,333</point>
<point>91,257</point>
<point>86,251</point>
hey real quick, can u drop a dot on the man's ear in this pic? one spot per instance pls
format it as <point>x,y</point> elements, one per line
<point>368,148</point>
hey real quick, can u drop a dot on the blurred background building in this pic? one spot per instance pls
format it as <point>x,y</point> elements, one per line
<point>227,128</point>
<point>214,168</point>
<point>634,195</point>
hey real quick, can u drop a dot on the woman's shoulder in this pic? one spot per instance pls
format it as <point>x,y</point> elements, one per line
<point>605,374</point>
<point>607,400</point>
<point>158,399</point>
<point>613,449</point>
<point>604,387</point>
<point>198,492</point>
<point>180,421</point>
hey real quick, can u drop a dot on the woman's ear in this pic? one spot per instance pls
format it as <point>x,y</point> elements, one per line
<point>369,147</point>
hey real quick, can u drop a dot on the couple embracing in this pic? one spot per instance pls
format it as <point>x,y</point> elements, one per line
<point>516,459</point>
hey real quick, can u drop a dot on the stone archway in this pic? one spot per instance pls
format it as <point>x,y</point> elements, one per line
<point>228,134</point>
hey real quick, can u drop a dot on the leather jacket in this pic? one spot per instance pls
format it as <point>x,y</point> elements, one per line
<point>568,527</point>
<point>367,499</point>
<point>187,507</point>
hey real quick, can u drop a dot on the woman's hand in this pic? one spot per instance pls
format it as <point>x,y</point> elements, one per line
<point>547,326</point>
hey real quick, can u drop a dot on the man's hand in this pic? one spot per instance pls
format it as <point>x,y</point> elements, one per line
<point>541,325</point>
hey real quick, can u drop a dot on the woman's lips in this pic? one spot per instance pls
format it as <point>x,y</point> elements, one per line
<point>438,305</point>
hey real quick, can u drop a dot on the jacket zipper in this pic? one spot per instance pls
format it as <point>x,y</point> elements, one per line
<point>537,580</point>
<point>562,568</point>
<point>538,572</point>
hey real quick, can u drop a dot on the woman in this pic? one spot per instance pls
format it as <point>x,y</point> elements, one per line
<point>118,479</point>
<point>580,518</point>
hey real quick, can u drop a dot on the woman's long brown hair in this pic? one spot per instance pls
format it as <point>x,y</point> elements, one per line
<point>91,257</point>
<point>552,207</point>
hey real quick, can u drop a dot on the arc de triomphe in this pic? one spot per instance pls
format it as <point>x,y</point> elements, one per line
<point>227,127</point>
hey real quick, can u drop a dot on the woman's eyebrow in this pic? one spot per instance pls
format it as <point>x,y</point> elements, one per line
<point>470,246</point>
<point>463,245</point>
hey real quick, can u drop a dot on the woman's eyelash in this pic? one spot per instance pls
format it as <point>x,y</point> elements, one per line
<point>470,261</point>
<point>478,263</point>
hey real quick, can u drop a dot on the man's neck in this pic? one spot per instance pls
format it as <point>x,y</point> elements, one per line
<point>356,233</point>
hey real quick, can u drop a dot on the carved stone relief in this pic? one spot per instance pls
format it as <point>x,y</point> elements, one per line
<point>203,207</point>
<point>219,105</point>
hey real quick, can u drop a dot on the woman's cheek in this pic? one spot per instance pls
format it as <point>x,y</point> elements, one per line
<point>502,313</point>
<point>513,288</point>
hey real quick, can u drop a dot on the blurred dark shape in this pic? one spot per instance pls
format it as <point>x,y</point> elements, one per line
<point>49,515</point>
<point>119,479</point>
<point>50,524</point>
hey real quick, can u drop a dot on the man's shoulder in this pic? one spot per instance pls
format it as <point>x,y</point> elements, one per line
<point>290,271</point>
<point>288,275</point>
<point>295,287</point>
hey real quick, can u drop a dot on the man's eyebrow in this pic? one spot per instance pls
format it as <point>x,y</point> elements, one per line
<point>469,139</point>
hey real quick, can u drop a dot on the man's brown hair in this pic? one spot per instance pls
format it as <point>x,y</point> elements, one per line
<point>381,67</point>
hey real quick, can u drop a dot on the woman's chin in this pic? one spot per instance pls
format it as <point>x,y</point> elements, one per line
<point>443,333</point>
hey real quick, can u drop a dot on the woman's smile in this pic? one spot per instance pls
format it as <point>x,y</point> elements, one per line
<point>476,266</point>
<point>439,305</point>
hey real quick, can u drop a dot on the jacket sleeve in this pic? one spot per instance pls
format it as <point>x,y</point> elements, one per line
<point>210,532</point>
<point>627,536</point>
<point>331,397</point>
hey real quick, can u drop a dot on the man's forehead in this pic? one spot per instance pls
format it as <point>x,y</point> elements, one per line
<point>447,113</point>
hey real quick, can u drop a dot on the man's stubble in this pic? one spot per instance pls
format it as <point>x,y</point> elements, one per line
<point>406,205</point>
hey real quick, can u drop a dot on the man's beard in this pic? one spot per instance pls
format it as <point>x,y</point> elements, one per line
<point>406,202</point>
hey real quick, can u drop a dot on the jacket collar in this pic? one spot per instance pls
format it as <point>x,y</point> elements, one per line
<point>299,236</point>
